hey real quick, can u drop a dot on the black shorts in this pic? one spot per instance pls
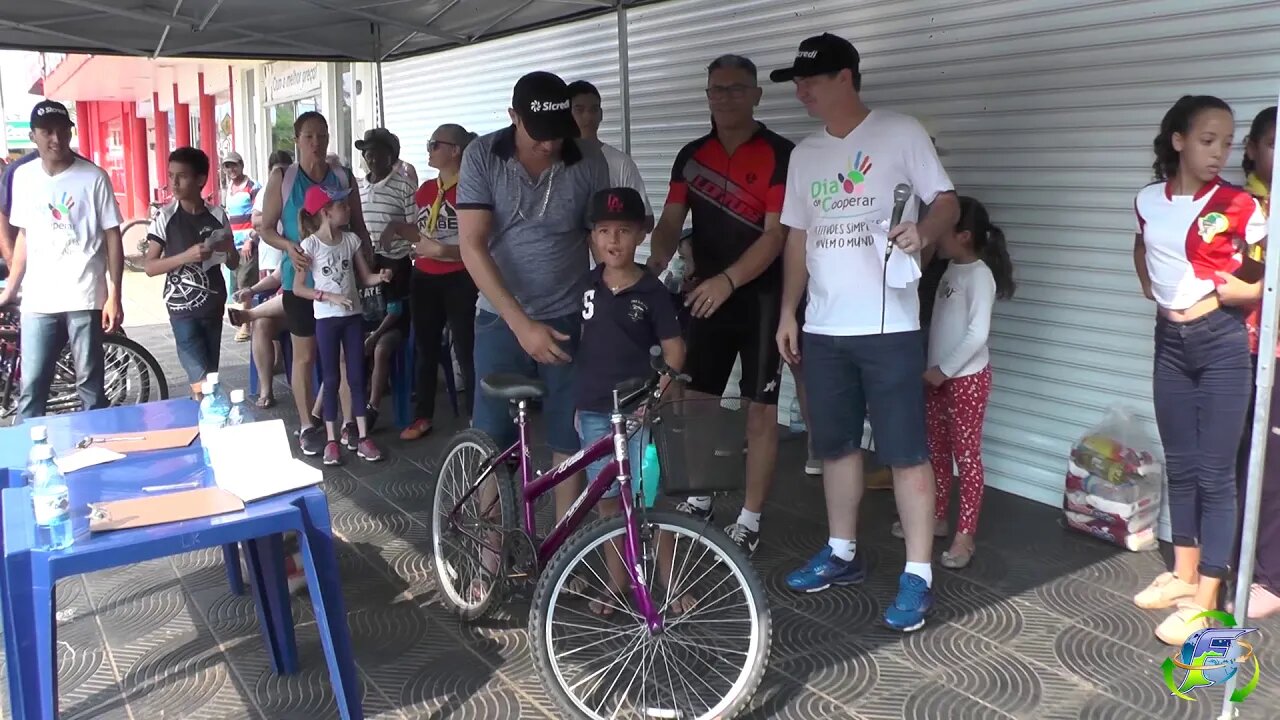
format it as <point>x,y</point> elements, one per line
<point>745,327</point>
<point>299,315</point>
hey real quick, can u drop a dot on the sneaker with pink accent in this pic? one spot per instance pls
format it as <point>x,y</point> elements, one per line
<point>368,451</point>
<point>332,454</point>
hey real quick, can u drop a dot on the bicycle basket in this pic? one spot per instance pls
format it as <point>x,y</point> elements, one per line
<point>700,446</point>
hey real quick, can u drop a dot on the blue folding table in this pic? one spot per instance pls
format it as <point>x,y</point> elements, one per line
<point>30,574</point>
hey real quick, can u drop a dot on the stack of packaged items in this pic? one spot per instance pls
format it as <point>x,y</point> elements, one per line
<point>1114,485</point>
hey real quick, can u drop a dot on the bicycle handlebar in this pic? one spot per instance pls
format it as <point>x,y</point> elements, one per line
<point>628,393</point>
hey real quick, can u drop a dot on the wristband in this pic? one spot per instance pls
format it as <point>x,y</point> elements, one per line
<point>732,286</point>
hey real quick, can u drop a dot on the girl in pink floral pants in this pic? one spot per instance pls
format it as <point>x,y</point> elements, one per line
<point>959,374</point>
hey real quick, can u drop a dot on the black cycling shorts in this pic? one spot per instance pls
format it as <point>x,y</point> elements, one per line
<point>745,328</point>
<point>299,315</point>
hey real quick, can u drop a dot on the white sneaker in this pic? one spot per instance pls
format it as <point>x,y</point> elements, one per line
<point>813,467</point>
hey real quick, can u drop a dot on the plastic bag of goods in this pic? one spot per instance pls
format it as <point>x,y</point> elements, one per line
<point>1114,483</point>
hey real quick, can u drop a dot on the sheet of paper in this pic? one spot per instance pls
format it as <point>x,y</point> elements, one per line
<point>81,459</point>
<point>254,461</point>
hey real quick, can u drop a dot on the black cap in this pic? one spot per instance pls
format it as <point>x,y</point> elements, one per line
<point>50,114</point>
<point>379,137</point>
<point>620,203</point>
<point>819,55</point>
<point>542,101</point>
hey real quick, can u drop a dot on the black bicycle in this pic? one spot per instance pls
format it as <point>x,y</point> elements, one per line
<point>131,374</point>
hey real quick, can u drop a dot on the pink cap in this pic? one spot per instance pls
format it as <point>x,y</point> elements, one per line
<point>318,196</point>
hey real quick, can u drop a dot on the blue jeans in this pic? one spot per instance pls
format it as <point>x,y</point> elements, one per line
<point>43,337</point>
<point>594,425</point>
<point>199,342</point>
<point>1201,391</point>
<point>849,376</point>
<point>498,351</point>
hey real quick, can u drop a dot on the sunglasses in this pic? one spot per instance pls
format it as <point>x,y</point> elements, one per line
<point>434,144</point>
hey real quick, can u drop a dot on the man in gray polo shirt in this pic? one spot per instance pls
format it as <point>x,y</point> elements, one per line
<point>523,199</point>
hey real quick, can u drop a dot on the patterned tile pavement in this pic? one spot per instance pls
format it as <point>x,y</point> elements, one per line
<point>1040,626</point>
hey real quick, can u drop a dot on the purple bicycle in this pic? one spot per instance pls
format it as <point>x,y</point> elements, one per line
<point>643,614</point>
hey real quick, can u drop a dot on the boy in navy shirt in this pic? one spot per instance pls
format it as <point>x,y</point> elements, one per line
<point>626,310</point>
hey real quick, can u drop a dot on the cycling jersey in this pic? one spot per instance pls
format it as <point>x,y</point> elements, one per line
<point>729,196</point>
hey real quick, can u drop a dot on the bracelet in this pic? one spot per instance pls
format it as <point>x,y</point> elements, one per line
<point>320,295</point>
<point>732,286</point>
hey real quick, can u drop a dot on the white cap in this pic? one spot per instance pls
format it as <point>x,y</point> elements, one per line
<point>207,387</point>
<point>212,378</point>
<point>237,395</point>
<point>39,433</point>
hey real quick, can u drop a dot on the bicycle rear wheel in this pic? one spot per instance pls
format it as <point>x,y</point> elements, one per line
<point>468,558</point>
<point>596,654</point>
<point>131,376</point>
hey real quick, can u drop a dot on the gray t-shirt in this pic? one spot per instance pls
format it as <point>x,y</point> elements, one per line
<point>540,226</point>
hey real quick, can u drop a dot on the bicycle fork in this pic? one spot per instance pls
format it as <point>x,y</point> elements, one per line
<point>631,545</point>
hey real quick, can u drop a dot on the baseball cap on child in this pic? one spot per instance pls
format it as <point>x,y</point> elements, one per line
<point>620,203</point>
<point>318,196</point>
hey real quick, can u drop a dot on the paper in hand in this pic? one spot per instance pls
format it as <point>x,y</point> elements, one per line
<point>903,269</point>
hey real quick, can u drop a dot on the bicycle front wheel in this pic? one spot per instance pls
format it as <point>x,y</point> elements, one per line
<point>595,652</point>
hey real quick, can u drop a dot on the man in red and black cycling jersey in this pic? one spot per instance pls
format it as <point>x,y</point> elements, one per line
<point>733,180</point>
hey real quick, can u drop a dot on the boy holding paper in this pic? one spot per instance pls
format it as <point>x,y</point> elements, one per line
<point>189,240</point>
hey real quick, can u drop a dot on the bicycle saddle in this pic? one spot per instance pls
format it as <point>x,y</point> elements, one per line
<point>507,386</point>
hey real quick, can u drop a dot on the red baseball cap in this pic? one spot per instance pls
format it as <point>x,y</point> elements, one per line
<point>318,197</point>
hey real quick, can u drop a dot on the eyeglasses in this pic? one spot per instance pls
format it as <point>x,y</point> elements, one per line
<point>736,92</point>
<point>434,144</point>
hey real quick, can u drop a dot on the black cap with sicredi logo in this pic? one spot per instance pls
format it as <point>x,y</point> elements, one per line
<point>819,55</point>
<point>50,114</point>
<point>542,101</point>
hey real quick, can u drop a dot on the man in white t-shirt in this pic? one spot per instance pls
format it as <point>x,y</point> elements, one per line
<point>588,113</point>
<point>861,338</point>
<point>68,241</point>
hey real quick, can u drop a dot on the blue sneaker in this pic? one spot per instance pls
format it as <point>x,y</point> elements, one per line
<point>825,570</point>
<point>914,601</point>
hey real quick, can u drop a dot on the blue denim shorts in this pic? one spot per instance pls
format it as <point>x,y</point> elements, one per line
<point>498,351</point>
<point>594,425</point>
<point>880,374</point>
<point>199,343</point>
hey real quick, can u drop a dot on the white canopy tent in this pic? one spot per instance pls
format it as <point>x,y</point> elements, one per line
<point>380,30</point>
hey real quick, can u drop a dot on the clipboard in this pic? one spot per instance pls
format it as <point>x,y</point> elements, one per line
<point>142,441</point>
<point>161,509</point>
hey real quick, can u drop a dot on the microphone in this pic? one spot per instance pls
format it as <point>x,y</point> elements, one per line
<point>901,194</point>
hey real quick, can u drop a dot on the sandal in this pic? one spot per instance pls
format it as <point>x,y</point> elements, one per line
<point>956,561</point>
<point>266,402</point>
<point>236,317</point>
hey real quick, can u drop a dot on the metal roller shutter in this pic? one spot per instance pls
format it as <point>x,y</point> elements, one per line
<point>1048,111</point>
<point>472,85</point>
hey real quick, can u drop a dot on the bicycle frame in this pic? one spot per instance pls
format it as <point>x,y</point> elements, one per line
<point>534,486</point>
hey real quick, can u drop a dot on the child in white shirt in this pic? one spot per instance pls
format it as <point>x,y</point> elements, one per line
<point>959,374</point>
<point>331,282</point>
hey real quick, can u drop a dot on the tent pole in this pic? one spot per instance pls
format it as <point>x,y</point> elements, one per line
<point>624,78</point>
<point>1258,436</point>
<point>380,113</point>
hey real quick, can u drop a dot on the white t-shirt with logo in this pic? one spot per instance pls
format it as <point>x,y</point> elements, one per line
<point>840,192</point>
<point>64,217</point>
<point>333,272</point>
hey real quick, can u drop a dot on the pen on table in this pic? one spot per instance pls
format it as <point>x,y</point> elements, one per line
<point>175,486</point>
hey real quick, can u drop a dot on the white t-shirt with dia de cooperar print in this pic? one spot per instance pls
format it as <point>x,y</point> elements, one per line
<point>840,192</point>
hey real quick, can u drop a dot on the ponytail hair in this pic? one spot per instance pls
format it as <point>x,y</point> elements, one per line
<point>308,224</point>
<point>989,244</point>
<point>461,138</point>
<point>1263,123</point>
<point>1177,121</point>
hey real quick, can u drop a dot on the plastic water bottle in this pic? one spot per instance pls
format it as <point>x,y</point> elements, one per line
<point>650,475</point>
<point>50,500</point>
<point>214,409</point>
<point>673,276</point>
<point>240,413</point>
<point>797,417</point>
<point>39,437</point>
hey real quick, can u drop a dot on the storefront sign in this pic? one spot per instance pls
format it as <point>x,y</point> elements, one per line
<point>17,135</point>
<point>291,81</point>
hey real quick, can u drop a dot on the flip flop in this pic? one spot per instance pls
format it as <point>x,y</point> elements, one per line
<point>266,402</point>
<point>236,317</point>
<point>957,561</point>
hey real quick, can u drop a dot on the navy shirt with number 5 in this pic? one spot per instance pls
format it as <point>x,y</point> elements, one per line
<point>617,332</point>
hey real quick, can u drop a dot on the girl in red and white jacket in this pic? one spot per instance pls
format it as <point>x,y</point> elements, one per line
<point>1194,232</point>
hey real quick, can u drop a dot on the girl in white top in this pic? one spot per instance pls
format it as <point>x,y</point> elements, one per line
<point>959,374</point>
<point>331,283</point>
